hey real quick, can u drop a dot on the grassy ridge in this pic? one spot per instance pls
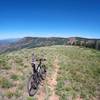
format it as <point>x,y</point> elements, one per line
<point>78,74</point>
<point>13,79</point>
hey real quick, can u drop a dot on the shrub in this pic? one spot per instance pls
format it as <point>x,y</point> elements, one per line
<point>6,67</point>
<point>21,86</point>
<point>2,61</point>
<point>19,61</point>
<point>10,94</point>
<point>15,77</point>
<point>5,83</point>
<point>25,66</point>
<point>17,93</point>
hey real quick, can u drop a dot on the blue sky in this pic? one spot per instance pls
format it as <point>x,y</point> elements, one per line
<point>63,18</point>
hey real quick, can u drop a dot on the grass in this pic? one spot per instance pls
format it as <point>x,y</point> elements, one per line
<point>20,86</point>
<point>3,63</point>
<point>5,67</point>
<point>78,74</point>
<point>10,94</point>
<point>31,98</point>
<point>15,77</point>
<point>5,83</point>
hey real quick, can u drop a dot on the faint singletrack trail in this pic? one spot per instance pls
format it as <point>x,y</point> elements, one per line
<point>53,81</point>
<point>41,94</point>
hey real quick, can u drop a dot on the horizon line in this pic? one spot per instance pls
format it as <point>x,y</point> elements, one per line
<point>49,37</point>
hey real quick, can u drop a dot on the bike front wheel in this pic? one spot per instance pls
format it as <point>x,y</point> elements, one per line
<point>32,86</point>
<point>43,72</point>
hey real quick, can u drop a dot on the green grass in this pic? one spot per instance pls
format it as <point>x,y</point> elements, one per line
<point>31,98</point>
<point>79,72</point>
<point>15,77</point>
<point>5,83</point>
<point>3,63</point>
<point>10,94</point>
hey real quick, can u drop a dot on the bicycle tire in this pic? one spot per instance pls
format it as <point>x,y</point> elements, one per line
<point>43,72</point>
<point>30,86</point>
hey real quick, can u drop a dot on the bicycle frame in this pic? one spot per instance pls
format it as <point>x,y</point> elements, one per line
<point>35,79</point>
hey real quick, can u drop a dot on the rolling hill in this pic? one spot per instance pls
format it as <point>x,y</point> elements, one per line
<point>32,42</point>
<point>8,41</point>
<point>4,44</point>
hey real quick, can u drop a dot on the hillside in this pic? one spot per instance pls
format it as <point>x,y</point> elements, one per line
<point>8,41</point>
<point>73,73</point>
<point>32,42</point>
<point>4,44</point>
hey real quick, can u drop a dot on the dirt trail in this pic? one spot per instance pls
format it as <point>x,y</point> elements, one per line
<point>41,94</point>
<point>51,81</point>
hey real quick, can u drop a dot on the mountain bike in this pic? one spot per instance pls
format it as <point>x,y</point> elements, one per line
<point>36,78</point>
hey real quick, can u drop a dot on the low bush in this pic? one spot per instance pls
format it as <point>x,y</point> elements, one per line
<point>15,77</point>
<point>5,83</point>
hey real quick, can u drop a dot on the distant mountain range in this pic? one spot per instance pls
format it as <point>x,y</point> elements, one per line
<point>8,41</point>
<point>31,42</point>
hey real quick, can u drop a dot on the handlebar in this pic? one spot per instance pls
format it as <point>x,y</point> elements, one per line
<point>41,59</point>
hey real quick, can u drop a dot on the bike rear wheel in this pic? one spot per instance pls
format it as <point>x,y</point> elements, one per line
<point>32,86</point>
